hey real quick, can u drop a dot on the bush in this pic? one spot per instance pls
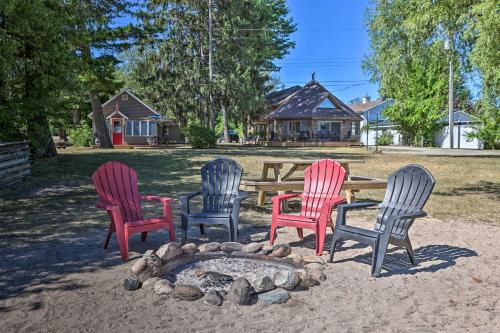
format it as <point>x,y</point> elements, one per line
<point>81,136</point>
<point>200,137</point>
<point>385,139</point>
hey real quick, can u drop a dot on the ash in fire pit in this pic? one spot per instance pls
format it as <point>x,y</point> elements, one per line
<point>219,273</point>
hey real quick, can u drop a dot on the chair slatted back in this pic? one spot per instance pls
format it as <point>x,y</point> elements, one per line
<point>322,180</point>
<point>408,189</point>
<point>220,184</point>
<point>116,184</point>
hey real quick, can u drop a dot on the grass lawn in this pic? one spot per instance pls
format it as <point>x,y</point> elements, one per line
<point>60,197</point>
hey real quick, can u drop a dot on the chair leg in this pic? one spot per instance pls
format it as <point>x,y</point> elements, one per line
<point>380,250</point>
<point>272,236</point>
<point>409,249</point>
<point>300,232</point>
<point>202,229</point>
<point>123,244</point>
<point>332,247</point>
<point>184,234</point>
<point>320,242</point>
<point>144,235</point>
<point>108,236</point>
<point>171,231</point>
<point>231,232</point>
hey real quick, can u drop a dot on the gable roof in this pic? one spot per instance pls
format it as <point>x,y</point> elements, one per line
<point>131,95</point>
<point>276,97</point>
<point>460,116</point>
<point>362,107</point>
<point>304,103</point>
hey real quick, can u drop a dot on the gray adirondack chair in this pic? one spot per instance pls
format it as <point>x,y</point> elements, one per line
<point>221,198</point>
<point>407,192</point>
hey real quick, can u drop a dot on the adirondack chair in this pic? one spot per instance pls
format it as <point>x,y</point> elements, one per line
<point>116,184</point>
<point>221,198</point>
<point>323,181</point>
<point>407,192</point>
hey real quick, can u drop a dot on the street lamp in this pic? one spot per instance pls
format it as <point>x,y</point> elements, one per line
<point>447,47</point>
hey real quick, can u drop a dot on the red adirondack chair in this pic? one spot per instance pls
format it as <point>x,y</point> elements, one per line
<point>322,183</point>
<point>116,184</point>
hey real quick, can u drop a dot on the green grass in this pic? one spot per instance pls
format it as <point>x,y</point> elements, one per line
<point>467,189</point>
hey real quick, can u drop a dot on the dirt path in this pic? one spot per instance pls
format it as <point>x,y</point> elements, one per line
<point>71,284</point>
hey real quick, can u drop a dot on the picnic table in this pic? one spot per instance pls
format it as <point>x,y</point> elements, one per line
<point>282,182</point>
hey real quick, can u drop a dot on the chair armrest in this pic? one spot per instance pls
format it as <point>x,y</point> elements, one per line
<point>412,215</point>
<point>342,210</point>
<point>189,196</point>
<point>282,197</point>
<point>163,200</point>
<point>106,206</point>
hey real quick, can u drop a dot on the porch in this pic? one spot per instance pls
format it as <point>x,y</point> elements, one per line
<point>308,130</point>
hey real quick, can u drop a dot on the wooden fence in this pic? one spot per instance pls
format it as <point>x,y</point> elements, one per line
<point>14,162</point>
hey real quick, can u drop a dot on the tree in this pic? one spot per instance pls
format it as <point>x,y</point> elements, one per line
<point>408,59</point>
<point>169,69</point>
<point>35,68</point>
<point>99,39</point>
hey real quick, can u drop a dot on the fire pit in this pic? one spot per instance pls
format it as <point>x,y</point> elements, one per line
<point>228,271</point>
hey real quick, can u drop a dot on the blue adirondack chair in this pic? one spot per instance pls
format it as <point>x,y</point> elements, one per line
<point>221,198</point>
<point>407,192</point>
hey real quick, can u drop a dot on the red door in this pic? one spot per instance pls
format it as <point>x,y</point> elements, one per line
<point>117,132</point>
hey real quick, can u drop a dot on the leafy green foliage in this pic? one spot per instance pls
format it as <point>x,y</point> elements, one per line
<point>385,139</point>
<point>200,137</point>
<point>409,60</point>
<point>81,135</point>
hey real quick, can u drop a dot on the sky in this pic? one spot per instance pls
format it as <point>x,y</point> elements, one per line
<point>331,41</point>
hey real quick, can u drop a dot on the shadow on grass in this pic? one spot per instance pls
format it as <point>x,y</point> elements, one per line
<point>482,187</point>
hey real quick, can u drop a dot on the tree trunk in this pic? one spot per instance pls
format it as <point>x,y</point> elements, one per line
<point>225,123</point>
<point>77,117</point>
<point>42,144</point>
<point>62,135</point>
<point>99,121</point>
<point>245,129</point>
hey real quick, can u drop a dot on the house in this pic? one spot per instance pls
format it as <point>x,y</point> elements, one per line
<point>371,111</point>
<point>463,125</point>
<point>308,114</point>
<point>131,122</point>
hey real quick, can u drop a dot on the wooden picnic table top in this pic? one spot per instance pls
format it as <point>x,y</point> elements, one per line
<point>294,185</point>
<point>279,161</point>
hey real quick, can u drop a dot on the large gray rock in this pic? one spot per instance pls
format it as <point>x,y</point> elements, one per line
<point>163,287</point>
<point>297,258</point>
<point>317,274</point>
<point>315,266</point>
<point>148,253</point>
<point>308,281</point>
<point>231,247</point>
<point>169,251</point>
<point>281,250</point>
<point>252,248</point>
<point>286,279</point>
<point>187,292</point>
<point>150,282</point>
<point>276,296</point>
<point>152,269</point>
<point>266,249</point>
<point>313,259</point>
<point>189,248</point>
<point>131,283</point>
<point>213,297</point>
<point>264,284</point>
<point>209,247</point>
<point>139,266</point>
<point>240,292</point>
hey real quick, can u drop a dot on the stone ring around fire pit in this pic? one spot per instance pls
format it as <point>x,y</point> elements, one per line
<point>216,272</point>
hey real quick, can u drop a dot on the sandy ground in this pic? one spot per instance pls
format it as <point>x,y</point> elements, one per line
<point>70,284</point>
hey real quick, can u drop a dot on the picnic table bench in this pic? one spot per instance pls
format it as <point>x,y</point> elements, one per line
<point>288,182</point>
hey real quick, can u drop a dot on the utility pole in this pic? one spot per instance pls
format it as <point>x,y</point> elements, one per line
<point>210,66</point>
<point>451,124</point>
<point>367,129</point>
<point>376,135</point>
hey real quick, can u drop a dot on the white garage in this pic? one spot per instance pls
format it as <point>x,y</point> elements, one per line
<point>463,125</point>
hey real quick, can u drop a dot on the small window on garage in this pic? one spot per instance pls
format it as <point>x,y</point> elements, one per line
<point>124,97</point>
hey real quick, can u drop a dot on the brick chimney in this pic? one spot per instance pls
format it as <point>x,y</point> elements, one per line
<point>365,99</point>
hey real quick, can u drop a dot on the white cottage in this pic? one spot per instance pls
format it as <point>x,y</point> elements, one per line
<point>463,125</point>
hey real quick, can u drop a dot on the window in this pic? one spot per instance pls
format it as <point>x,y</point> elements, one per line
<point>294,126</point>
<point>327,104</point>
<point>124,97</point>
<point>140,128</point>
<point>354,128</point>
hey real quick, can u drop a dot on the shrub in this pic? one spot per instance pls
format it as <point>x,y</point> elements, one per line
<point>81,136</point>
<point>385,139</point>
<point>200,137</point>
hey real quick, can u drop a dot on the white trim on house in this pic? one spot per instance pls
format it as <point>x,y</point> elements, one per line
<point>116,112</point>
<point>137,98</point>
